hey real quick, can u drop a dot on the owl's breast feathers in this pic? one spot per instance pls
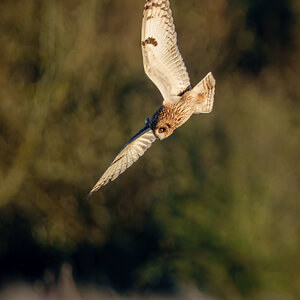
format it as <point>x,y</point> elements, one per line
<point>174,113</point>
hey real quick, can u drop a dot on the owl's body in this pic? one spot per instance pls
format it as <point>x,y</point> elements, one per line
<point>173,114</point>
<point>164,65</point>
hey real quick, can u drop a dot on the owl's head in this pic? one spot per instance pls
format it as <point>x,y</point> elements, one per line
<point>163,130</point>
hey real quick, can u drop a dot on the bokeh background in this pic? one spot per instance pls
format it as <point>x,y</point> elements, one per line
<point>214,207</point>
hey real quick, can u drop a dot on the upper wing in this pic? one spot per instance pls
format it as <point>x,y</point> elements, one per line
<point>130,153</point>
<point>162,60</point>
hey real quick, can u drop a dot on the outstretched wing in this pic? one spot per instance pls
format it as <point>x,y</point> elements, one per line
<point>131,152</point>
<point>162,60</point>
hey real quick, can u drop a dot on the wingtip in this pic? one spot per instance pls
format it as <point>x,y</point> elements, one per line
<point>96,188</point>
<point>88,196</point>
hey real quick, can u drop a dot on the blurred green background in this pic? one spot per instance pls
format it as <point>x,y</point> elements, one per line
<point>216,205</point>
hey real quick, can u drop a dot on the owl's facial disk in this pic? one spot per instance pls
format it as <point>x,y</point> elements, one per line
<point>163,130</point>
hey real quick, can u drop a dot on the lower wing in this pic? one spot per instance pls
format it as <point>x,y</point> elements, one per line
<point>131,152</point>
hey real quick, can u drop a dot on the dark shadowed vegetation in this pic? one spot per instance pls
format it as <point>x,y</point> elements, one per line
<point>216,205</point>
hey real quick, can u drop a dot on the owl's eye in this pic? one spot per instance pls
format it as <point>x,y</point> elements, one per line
<point>162,129</point>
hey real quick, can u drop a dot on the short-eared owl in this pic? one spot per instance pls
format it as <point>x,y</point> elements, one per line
<point>165,67</point>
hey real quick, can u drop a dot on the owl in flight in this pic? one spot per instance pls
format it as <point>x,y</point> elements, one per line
<point>165,67</point>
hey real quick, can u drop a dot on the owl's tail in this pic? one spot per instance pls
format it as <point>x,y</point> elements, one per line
<point>204,91</point>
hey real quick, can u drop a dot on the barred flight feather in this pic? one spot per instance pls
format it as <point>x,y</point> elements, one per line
<point>163,62</point>
<point>131,152</point>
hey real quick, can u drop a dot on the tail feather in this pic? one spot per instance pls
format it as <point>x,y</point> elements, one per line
<point>205,92</point>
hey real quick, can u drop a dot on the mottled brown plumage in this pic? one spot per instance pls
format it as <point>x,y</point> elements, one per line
<point>165,67</point>
<point>172,115</point>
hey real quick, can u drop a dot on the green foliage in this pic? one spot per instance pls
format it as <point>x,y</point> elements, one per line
<point>220,197</point>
